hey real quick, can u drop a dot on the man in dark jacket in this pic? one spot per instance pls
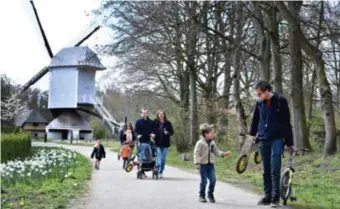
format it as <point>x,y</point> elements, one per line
<point>271,124</point>
<point>144,127</point>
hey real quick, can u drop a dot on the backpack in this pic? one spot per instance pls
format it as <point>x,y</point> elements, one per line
<point>145,152</point>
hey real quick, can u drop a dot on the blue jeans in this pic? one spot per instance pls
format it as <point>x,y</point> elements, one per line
<point>207,171</point>
<point>162,152</point>
<point>271,151</point>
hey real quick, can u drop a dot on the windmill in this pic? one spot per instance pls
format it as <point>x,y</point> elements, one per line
<point>72,91</point>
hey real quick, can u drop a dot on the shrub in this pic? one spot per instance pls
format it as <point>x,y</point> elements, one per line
<point>98,129</point>
<point>9,129</point>
<point>15,146</point>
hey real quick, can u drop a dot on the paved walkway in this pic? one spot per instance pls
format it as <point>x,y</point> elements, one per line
<point>111,187</point>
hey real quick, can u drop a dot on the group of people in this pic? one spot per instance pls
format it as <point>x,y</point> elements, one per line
<point>270,124</point>
<point>156,132</point>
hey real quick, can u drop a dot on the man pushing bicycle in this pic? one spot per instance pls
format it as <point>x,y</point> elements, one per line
<point>271,124</point>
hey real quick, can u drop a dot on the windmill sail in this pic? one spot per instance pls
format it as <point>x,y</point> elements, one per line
<point>44,71</point>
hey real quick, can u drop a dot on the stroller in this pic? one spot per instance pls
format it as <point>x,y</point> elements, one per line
<point>146,161</point>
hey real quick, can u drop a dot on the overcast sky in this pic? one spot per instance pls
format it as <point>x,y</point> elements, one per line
<point>22,50</point>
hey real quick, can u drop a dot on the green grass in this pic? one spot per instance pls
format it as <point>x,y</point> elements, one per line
<point>51,193</point>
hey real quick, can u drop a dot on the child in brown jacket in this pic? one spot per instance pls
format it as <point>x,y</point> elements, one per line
<point>204,158</point>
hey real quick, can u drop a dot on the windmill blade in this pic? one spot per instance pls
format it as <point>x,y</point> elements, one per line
<point>92,25</point>
<point>47,45</point>
<point>86,32</point>
<point>88,36</point>
<point>33,80</point>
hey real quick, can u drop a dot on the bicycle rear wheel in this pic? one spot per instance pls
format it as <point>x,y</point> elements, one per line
<point>242,163</point>
<point>285,185</point>
<point>257,157</point>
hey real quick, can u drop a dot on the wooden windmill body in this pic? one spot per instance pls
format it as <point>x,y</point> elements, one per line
<point>72,93</point>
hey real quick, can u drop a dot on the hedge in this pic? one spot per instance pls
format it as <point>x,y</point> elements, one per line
<point>15,146</point>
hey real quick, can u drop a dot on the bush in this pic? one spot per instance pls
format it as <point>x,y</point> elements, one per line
<point>15,146</point>
<point>181,127</point>
<point>9,129</point>
<point>98,129</point>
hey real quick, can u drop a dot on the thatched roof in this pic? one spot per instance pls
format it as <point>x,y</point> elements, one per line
<point>34,116</point>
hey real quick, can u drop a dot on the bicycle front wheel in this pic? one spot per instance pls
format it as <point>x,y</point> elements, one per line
<point>285,185</point>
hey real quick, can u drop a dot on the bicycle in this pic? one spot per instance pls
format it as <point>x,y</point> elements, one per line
<point>243,159</point>
<point>287,177</point>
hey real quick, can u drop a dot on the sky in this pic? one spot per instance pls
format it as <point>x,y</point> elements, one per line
<point>22,49</point>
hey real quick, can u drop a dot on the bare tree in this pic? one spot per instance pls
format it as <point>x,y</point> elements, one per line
<point>325,90</point>
<point>275,49</point>
<point>296,91</point>
<point>263,43</point>
<point>236,76</point>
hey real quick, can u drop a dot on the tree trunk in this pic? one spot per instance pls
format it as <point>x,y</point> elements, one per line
<point>263,39</point>
<point>210,45</point>
<point>223,119</point>
<point>193,110</point>
<point>275,46</point>
<point>191,47</point>
<point>298,107</point>
<point>226,92</point>
<point>183,75</point>
<point>337,75</point>
<point>311,99</point>
<point>237,74</point>
<point>330,147</point>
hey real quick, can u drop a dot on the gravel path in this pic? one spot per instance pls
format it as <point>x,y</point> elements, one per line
<point>111,187</point>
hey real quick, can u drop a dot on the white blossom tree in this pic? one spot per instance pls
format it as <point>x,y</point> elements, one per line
<point>10,108</point>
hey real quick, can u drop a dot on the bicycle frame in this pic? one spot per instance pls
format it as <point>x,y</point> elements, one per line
<point>290,171</point>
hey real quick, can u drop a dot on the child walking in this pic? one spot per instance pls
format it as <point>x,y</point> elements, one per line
<point>204,158</point>
<point>125,153</point>
<point>98,152</point>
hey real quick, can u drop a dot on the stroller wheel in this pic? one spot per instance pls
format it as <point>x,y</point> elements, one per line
<point>155,175</point>
<point>139,174</point>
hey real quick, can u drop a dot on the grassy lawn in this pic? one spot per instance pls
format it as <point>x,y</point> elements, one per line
<point>49,192</point>
<point>316,181</point>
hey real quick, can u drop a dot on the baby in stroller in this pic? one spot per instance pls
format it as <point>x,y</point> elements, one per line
<point>146,160</point>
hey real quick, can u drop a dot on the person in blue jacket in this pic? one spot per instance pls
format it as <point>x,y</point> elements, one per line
<point>163,131</point>
<point>271,124</point>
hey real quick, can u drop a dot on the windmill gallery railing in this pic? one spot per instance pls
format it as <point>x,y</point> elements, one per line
<point>107,117</point>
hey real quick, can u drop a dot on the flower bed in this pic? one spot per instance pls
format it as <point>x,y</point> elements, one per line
<point>47,179</point>
<point>45,163</point>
